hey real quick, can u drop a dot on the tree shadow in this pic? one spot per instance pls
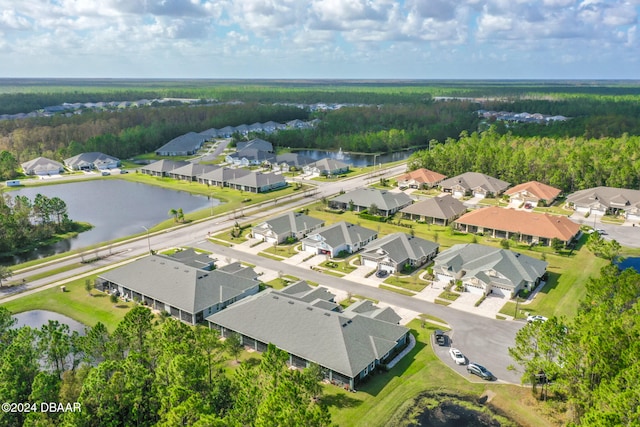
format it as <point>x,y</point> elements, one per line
<point>340,400</point>
<point>552,282</point>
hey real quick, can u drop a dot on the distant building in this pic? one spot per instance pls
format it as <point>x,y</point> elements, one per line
<point>532,192</point>
<point>89,161</point>
<point>387,202</point>
<point>607,200</point>
<point>437,210</point>
<point>42,166</point>
<point>183,145</point>
<point>475,184</point>
<point>326,167</point>
<point>162,168</point>
<point>289,225</point>
<point>420,178</point>
<point>338,237</point>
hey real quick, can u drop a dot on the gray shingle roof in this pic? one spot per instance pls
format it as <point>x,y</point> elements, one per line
<point>293,222</point>
<point>184,143</point>
<point>169,280</point>
<point>473,180</point>
<point>385,200</point>
<point>41,164</point>
<point>224,174</point>
<point>342,343</point>
<point>616,198</point>
<point>257,179</point>
<point>93,158</point>
<point>256,144</point>
<point>329,165</point>
<point>399,247</point>
<point>164,165</point>
<point>445,207</point>
<point>343,232</point>
<point>476,260</point>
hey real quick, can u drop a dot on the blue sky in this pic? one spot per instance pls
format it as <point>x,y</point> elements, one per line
<point>368,39</point>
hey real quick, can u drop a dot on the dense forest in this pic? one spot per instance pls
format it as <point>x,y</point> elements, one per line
<point>149,373</point>
<point>566,163</point>
<point>589,367</point>
<point>25,222</point>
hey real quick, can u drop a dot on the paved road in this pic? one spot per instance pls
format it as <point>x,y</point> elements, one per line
<point>627,235</point>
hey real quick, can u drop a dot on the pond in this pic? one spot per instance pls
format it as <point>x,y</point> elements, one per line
<point>632,262</point>
<point>116,209</point>
<point>357,160</point>
<point>38,318</point>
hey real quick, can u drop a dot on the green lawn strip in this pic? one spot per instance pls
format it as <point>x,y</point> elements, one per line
<point>441,302</point>
<point>74,303</point>
<point>225,236</point>
<point>449,296</point>
<point>331,273</point>
<point>278,283</point>
<point>339,266</point>
<point>379,398</point>
<point>283,251</point>
<point>431,317</point>
<point>412,283</point>
<point>270,256</point>
<point>396,290</point>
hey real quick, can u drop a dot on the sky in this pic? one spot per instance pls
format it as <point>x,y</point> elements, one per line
<point>321,39</point>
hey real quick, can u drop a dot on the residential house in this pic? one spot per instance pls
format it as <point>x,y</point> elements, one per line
<point>220,177</point>
<point>437,210</point>
<point>475,184</point>
<point>392,253</point>
<point>420,178</point>
<point>191,171</point>
<point>326,167</point>
<point>194,259</point>
<point>162,168</point>
<point>386,202</point>
<point>183,145</point>
<point>529,227</point>
<point>339,237</point>
<point>167,284</point>
<point>93,160</point>
<point>349,346</point>
<point>290,161</point>
<point>294,225</point>
<point>486,270</point>
<point>258,182</point>
<point>250,157</point>
<point>532,192</point>
<point>607,200</point>
<point>42,166</point>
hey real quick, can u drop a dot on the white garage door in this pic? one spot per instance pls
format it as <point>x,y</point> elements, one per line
<point>478,195</point>
<point>444,278</point>
<point>370,263</point>
<point>474,290</point>
<point>458,194</point>
<point>632,217</point>
<point>499,292</point>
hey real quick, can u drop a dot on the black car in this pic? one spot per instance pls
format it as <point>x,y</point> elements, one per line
<point>440,337</point>
<point>481,371</point>
<point>381,273</point>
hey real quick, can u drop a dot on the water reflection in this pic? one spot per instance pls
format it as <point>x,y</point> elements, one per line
<point>38,318</point>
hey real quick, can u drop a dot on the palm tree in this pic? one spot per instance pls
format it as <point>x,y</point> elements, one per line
<point>180,215</point>
<point>174,214</point>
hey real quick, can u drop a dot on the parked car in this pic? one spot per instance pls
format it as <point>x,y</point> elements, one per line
<point>106,173</point>
<point>457,356</point>
<point>381,273</point>
<point>536,318</point>
<point>601,231</point>
<point>480,371</point>
<point>440,337</point>
<point>528,206</point>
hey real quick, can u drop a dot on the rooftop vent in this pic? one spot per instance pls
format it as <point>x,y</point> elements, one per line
<point>327,314</point>
<point>275,297</point>
<point>309,308</point>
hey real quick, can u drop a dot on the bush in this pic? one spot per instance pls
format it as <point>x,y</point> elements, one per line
<point>370,217</point>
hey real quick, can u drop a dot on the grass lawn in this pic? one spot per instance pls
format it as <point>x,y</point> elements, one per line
<point>339,266</point>
<point>226,236</point>
<point>74,303</point>
<point>270,256</point>
<point>285,251</point>
<point>412,283</point>
<point>380,397</point>
<point>397,290</point>
<point>450,296</point>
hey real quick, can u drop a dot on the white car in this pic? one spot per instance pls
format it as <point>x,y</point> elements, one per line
<point>536,318</point>
<point>457,356</point>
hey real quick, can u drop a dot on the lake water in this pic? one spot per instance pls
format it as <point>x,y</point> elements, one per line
<point>116,209</point>
<point>357,160</point>
<point>38,318</point>
<point>632,262</point>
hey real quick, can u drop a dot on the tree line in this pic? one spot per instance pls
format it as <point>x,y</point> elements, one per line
<point>149,373</point>
<point>588,368</point>
<point>25,222</point>
<point>567,163</point>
